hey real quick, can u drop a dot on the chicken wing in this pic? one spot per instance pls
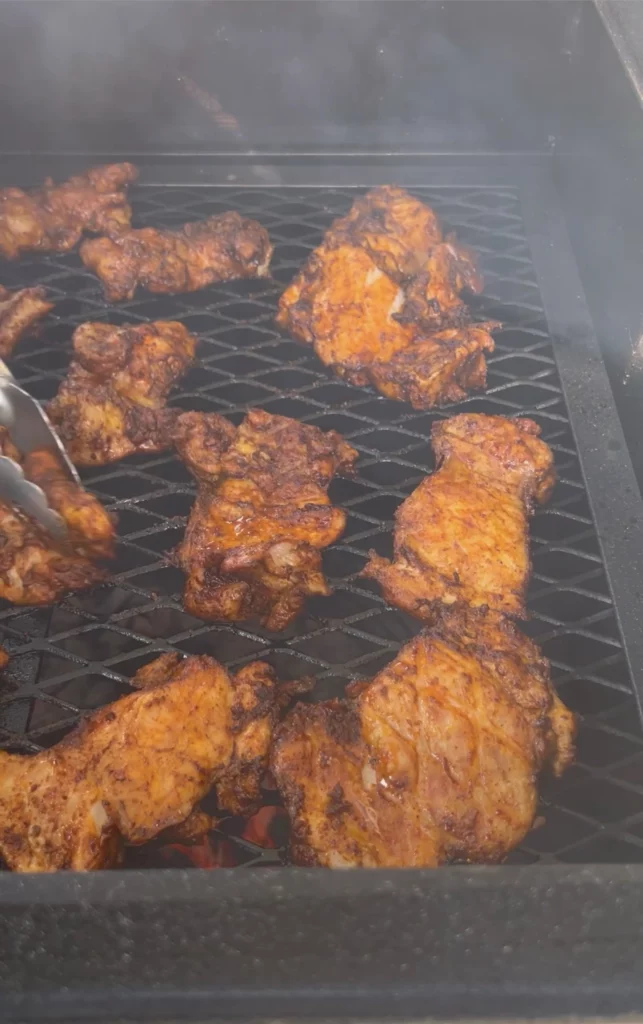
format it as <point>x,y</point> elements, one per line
<point>262,514</point>
<point>34,569</point>
<point>380,302</point>
<point>462,535</point>
<point>434,760</point>
<point>139,766</point>
<point>112,402</point>
<point>201,253</point>
<point>19,311</point>
<point>55,216</point>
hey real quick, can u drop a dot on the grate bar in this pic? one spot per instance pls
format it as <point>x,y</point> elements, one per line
<point>82,653</point>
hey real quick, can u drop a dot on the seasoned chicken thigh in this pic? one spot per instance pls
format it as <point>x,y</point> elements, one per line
<point>462,535</point>
<point>201,253</point>
<point>139,766</point>
<point>112,402</point>
<point>262,514</point>
<point>434,760</point>
<point>54,217</point>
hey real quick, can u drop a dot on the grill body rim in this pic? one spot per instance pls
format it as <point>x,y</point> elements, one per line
<point>232,928</point>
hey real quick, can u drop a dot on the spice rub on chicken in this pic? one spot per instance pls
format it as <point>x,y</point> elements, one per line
<point>54,217</point>
<point>462,535</point>
<point>261,516</point>
<point>19,312</point>
<point>380,302</point>
<point>112,402</point>
<point>435,760</point>
<point>162,260</point>
<point>403,237</point>
<point>34,567</point>
<point>140,766</point>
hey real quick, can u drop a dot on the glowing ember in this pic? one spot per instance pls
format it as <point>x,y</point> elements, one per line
<point>209,853</point>
<point>266,827</point>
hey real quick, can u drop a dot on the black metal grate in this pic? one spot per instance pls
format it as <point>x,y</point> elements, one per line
<point>81,653</point>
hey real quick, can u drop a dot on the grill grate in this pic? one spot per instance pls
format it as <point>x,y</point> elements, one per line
<point>81,653</point>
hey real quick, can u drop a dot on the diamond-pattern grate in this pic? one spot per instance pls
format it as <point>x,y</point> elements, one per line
<point>80,654</point>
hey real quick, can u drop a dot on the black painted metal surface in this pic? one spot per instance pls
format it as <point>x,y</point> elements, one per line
<point>459,943</point>
<point>80,654</point>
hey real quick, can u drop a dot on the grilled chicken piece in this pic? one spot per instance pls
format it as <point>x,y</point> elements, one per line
<point>403,237</point>
<point>393,227</point>
<point>432,297</point>
<point>262,514</point>
<point>112,402</point>
<point>55,216</point>
<point>348,311</point>
<point>34,569</point>
<point>344,305</point>
<point>19,311</point>
<point>462,535</point>
<point>442,367</point>
<point>379,300</point>
<point>201,253</point>
<point>434,760</point>
<point>189,832</point>
<point>90,527</point>
<point>139,766</point>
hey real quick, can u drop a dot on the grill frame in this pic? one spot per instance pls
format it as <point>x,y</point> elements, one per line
<point>56,916</point>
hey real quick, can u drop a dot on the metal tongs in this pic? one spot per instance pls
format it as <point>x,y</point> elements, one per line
<point>29,429</point>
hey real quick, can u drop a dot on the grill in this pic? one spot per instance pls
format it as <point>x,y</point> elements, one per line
<point>80,654</point>
<point>519,124</point>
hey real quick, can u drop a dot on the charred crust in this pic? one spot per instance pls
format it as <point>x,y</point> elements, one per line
<point>337,804</point>
<point>269,475</point>
<point>342,722</point>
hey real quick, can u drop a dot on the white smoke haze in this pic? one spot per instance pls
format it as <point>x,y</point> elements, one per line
<point>408,75</point>
<point>397,76</point>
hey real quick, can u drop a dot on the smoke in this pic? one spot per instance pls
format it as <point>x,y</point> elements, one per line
<point>327,73</point>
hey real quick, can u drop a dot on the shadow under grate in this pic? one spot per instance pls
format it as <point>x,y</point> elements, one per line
<point>81,653</point>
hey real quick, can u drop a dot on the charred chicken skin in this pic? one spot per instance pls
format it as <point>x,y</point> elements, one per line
<point>112,402</point>
<point>53,217</point>
<point>432,296</point>
<point>19,311</point>
<point>461,537</point>
<point>33,568</point>
<point>262,514</point>
<point>404,239</point>
<point>139,766</point>
<point>379,301</point>
<point>434,760</point>
<point>199,254</point>
<point>393,227</point>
